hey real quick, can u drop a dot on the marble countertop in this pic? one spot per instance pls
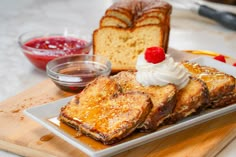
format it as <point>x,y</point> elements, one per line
<point>188,31</point>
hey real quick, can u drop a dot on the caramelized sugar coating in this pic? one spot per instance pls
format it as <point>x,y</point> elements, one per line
<point>219,84</point>
<point>190,99</point>
<point>102,112</point>
<point>163,99</point>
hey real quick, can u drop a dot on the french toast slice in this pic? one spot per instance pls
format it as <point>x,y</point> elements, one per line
<point>190,99</point>
<point>225,100</point>
<point>219,84</point>
<point>102,112</point>
<point>163,99</point>
<point>98,90</point>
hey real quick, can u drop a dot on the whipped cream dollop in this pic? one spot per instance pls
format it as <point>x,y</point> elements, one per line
<point>167,71</point>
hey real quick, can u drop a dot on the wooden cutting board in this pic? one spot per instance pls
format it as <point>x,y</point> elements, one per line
<point>23,136</point>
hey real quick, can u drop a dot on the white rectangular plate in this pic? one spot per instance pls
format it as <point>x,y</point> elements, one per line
<point>43,113</point>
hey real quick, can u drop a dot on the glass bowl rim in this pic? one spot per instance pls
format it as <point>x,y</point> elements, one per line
<point>47,34</point>
<point>55,75</point>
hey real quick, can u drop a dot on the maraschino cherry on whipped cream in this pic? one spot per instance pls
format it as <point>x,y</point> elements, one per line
<point>154,67</point>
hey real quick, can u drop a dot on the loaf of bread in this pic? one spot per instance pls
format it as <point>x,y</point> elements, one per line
<point>128,28</point>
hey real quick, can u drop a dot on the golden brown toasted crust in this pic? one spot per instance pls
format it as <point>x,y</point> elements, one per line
<point>163,99</point>
<point>219,84</point>
<point>91,95</point>
<point>105,114</point>
<point>225,100</point>
<point>191,98</point>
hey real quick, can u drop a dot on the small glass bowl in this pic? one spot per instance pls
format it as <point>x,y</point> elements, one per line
<point>39,46</point>
<point>73,73</point>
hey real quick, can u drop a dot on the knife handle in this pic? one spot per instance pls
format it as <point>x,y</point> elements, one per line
<point>226,19</point>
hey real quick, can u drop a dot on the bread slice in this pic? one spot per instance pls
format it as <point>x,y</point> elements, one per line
<point>219,84</point>
<point>225,100</point>
<point>147,20</point>
<point>116,43</point>
<point>163,99</point>
<point>107,21</point>
<point>156,13</point>
<point>105,114</point>
<point>190,99</point>
<point>92,94</point>
<point>122,14</point>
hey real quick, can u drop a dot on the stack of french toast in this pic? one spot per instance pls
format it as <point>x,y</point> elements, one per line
<point>111,108</point>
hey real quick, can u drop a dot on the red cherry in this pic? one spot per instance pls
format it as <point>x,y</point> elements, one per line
<point>234,64</point>
<point>220,58</point>
<point>154,54</point>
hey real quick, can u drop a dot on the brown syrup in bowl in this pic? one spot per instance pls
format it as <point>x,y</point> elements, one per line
<point>83,76</point>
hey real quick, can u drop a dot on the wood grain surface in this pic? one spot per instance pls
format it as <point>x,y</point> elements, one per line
<point>23,136</point>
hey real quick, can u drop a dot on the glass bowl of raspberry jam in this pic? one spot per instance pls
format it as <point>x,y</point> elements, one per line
<point>72,73</point>
<point>42,47</point>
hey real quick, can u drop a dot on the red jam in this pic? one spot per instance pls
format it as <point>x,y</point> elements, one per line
<point>64,45</point>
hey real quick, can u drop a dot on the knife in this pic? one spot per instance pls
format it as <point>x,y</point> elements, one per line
<point>225,18</point>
